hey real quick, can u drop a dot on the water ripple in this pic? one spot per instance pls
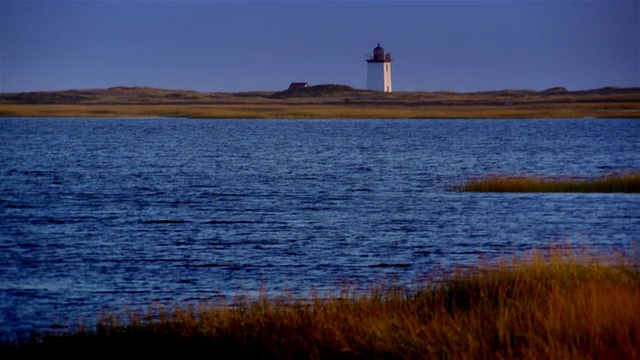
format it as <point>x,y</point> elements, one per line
<point>116,213</point>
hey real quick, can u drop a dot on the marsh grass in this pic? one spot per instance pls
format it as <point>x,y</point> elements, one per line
<point>332,101</point>
<point>553,304</point>
<point>314,109</point>
<point>613,183</point>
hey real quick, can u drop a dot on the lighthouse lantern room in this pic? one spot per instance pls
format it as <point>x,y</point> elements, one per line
<point>379,70</point>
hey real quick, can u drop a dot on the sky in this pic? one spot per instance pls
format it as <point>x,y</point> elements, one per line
<point>236,46</point>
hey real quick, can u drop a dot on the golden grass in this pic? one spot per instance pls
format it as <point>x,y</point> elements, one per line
<point>329,110</point>
<point>623,183</point>
<point>324,101</point>
<point>544,305</point>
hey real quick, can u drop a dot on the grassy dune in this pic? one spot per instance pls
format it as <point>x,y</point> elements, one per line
<point>623,183</point>
<point>544,305</point>
<point>324,101</point>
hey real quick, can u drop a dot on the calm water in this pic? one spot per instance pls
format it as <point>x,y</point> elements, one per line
<point>109,213</point>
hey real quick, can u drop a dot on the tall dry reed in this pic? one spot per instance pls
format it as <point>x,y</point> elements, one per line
<point>545,305</point>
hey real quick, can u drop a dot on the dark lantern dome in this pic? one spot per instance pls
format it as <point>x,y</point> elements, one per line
<point>379,55</point>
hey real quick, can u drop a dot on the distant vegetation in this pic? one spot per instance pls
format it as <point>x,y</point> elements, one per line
<point>314,91</point>
<point>560,304</point>
<point>625,183</point>
<point>324,101</point>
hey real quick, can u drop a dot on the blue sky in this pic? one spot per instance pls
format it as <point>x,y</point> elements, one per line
<point>264,45</point>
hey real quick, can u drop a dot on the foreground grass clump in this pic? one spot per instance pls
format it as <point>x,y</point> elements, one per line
<point>540,306</point>
<point>621,183</point>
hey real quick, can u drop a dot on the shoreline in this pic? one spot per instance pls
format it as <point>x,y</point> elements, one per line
<point>325,102</point>
<point>276,111</point>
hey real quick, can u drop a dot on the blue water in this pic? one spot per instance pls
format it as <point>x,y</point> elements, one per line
<point>102,214</point>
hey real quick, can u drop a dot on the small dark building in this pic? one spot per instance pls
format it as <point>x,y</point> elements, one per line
<point>297,85</point>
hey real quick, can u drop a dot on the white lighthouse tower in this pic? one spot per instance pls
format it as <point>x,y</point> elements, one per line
<point>379,70</point>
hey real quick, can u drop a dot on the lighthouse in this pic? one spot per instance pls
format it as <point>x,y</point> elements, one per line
<point>379,70</point>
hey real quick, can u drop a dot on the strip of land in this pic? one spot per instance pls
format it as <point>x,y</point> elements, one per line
<point>324,102</point>
<point>613,183</point>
